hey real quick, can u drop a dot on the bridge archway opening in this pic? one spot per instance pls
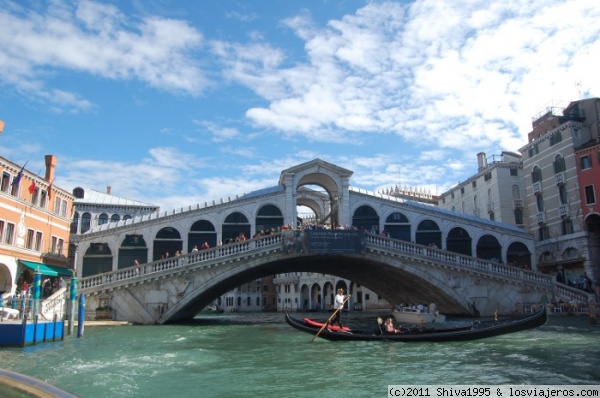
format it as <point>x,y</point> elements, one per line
<point>166,243</point>
<point>488,248</point>
<point>201,231</point>
<point>97,259</point>
<point>397,226</point>
<point>365,217</point>
<point>459,241</point>
<point>429,234</point>
<point>268,217</point>
<point>235,227</point>
<point>133,247</point>
<point>518,255</point>
<point>396,285</point>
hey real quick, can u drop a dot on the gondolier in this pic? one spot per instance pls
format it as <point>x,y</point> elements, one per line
<point>338,304</point>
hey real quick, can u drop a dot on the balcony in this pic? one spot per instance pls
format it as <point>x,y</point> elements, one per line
<point>537,187</point>
<point>540,217</point>
<point>518,203</point>
<point>563,210</point>
<point>560,178</point>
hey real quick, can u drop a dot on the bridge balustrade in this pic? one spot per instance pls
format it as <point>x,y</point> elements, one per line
<point>230,250</point>
<point>459,260</point>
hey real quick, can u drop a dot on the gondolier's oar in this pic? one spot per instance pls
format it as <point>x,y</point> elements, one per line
<point>330,318</point>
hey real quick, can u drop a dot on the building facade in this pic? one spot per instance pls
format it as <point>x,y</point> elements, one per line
<point>34,226</point>
<point>495,192</point>
<point>557,161</point>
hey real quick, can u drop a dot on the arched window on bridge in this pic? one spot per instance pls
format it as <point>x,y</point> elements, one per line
<point>132,248</point>
<point>518,255</point>
<point>397,226</point>
<point>103,219</point>
<point>86,222</point>
<point>488,248</point>
<point>235,225</point>
<point>97,260</point>
<point>115,218</point>
<point>268,216</point>
<point>428,234</point>
<point>167,243</point>
<point>201,231</point>
<point>459,241</point>
<point>365,217</point>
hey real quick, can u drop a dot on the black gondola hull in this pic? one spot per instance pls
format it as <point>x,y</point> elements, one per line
<point>477,330</point>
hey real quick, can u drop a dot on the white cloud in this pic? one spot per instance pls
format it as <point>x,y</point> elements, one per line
<point>97,39</point>
<point>476,71</point>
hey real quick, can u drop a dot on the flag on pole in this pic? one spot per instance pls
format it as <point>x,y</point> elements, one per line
<point>17,179</point>
<point>32,187</point>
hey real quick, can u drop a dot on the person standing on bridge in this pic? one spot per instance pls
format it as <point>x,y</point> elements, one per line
<point>338,304</point>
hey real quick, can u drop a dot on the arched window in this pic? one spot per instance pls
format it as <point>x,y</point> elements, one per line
<point>397,226</point>
<point>559,164</point>
<point>75,223</point>
<point>115,218</point>
<point>536,175</point>
<point>102,219</point>
<point>365,217</point>
<point>86,221</point>
<point>562,194</point>
<point>516,192</point>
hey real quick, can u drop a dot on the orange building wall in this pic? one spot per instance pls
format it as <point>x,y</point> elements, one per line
<point>27,212</point>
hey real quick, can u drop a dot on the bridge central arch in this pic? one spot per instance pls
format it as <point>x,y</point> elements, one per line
<point>333,179</point>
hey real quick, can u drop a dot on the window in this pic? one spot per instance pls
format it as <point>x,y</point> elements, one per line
<point>533,151</point>
<point>1,230</point>
<point>555,138</point>
<point>585,162</point>
<point>474,184</point>
<point>567,227</point>
<point>562,194</point>
<point>5,183</point>
<point>518,217</point>
<point>452,195</point>
<point>35,196</point>
<point>53,244</point>
<point>30,239</point>
<point>559,164</point>
<point>43,199</point>
<point>487,176</point>
<point>462,190</point>
<point>86,220</point>
<point>540,203</point>
<point>590,196</point>
<point>9,234</point>
<point>38,241</point>
<point>103,219</point>
<point>59,246</point>
<point>543,233</point>
<point>513,172</point>
<point>492,216</point>
<point>536,175</point>
<point>516,192</point>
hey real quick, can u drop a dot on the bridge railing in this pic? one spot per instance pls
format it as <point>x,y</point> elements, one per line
<point>460,260</point>
<point>230,250</point>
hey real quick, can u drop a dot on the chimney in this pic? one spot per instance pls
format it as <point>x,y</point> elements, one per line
<point>1,126</point>
<point>481,161</point>
<point>108,190</point>
<point>50,165</point>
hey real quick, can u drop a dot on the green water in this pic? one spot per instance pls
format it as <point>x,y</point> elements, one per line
<point>248,355</point>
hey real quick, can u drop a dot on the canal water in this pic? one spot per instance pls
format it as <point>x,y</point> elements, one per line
<point>251,355</point>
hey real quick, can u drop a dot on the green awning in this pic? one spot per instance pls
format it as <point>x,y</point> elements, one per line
<point>45,269</point>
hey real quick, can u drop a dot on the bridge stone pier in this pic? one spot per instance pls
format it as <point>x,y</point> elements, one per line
<point>407,251</point>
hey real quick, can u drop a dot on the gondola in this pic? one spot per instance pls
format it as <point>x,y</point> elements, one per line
<point>476,330</point>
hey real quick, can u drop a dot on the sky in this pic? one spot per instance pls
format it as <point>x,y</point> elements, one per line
<point>175,103</point>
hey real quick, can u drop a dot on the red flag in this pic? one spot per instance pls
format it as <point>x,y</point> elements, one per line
<point>32,187</point>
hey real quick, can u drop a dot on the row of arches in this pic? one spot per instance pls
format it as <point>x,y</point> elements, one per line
<point>429,233</point>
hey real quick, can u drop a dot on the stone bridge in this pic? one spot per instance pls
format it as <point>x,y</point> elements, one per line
<point>176,289</point>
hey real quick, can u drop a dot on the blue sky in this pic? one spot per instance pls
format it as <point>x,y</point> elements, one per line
<point>175,103</point>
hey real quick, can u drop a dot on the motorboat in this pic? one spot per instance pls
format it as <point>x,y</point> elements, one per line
<point>414,315</point>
